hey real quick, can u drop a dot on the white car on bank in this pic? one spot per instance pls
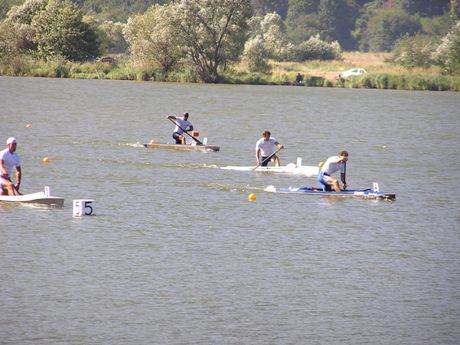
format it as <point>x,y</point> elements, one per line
<point>353,72</point>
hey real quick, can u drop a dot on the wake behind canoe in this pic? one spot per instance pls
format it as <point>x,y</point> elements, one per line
<point>178,147</point>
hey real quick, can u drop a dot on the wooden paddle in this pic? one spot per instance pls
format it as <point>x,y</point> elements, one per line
<point>184,131</point>
<point>266,159</point>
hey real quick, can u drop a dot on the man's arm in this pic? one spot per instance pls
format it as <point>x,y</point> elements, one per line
<point>3,170</point>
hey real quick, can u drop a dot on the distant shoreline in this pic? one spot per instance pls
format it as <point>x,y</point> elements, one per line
<point>381,74</point>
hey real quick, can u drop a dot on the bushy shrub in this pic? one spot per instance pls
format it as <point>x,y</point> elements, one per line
<point>447,55</point>
<point>255,55</point>
<point>315,49</point>
<point>414,51</point>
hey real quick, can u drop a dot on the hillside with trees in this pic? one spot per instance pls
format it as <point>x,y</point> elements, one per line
<point>219,40</point>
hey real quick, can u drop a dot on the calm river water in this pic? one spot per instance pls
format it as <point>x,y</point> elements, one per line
<point>176,254</point>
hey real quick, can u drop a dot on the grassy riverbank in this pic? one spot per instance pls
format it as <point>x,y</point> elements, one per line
<point>382,74</point>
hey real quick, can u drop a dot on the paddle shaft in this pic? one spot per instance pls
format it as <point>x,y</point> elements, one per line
<point>344,175</point>
<point>266,159</point>
<point>184,131</point>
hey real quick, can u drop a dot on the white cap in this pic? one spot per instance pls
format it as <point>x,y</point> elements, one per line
<point>11,140</point>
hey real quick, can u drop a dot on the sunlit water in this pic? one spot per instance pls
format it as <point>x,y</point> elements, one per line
<point>176,254</point>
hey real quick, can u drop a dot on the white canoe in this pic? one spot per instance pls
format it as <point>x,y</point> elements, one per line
<point>40,198</point>
<point>187,147</point>
<point>291,168</point>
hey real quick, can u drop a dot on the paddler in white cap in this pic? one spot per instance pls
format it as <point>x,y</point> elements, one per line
<point>9,160</point>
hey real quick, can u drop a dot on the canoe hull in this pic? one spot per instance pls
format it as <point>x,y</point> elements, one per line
<point>290,168</point>
<point>39,198</point>
<point>357,193</point>
<point>177,147</point>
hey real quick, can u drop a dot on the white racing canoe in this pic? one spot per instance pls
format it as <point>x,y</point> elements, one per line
<point>187,147</point>
<point>291,168</point>
<point>43,198</point>
<point>368,193</point>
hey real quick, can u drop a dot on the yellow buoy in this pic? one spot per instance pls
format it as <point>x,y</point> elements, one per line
<point>28,125</point>
<point>46,160</point>
<point>252,197</point>
<point>321,164</point>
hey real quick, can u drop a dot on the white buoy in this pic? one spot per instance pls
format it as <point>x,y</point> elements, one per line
<point>83,207</point>
<point>299,162</point>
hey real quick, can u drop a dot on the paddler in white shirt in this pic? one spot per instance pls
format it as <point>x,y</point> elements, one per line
<point>182,125</point>
<point>265,150</point>
<point>9,159</point>
<point>332,165</point>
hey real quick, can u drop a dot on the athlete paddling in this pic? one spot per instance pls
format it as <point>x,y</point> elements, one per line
<point>182,125</point>
<point>266,150</point>
<point>9,160</point>
<point>332,165</point>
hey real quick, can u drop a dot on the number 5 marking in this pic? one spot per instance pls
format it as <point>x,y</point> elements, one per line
<point>88,206</point>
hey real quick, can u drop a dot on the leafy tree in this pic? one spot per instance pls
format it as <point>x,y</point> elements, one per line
<point>266,41</point>
<point>255,55</point>
<point>454,10</point>
<point>212,32</point>
<point>9,46</point>
<point>271,31</point>
<point>262,7</point>
<point>152,38</point>
<point>301,19</point>
<point>447,54</point>
<point>116,10</point>
<point>18,30</point>
<point>5,6</point>
<point>424,8</point>
<point>111,37</point>
<point>387,26</point>
<point>436,26</point>
<point>24,13</point>
<point>331,19</point>
<point>336,20</point>
<point>415,51</point>
<point>61,31</point>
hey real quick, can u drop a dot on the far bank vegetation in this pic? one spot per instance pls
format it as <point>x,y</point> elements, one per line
<point>403,44</point>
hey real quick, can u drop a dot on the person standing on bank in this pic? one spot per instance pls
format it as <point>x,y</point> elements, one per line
<point>266,148</point>
<point>182,125</point>
<point>9,159</point>
<point>332,165</point>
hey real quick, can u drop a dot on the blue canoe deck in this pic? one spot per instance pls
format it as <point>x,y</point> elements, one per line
<point>360,193</point>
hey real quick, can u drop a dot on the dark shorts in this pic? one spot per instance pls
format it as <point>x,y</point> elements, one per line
<point>177,136</point>
<point>266,160</point>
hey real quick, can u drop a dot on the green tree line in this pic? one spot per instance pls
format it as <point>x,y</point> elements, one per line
<point>207,37</point>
